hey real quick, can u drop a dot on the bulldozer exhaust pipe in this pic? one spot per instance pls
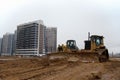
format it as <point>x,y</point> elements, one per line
<point>88,36</point>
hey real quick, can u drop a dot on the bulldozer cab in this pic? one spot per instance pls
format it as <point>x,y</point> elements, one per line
<point>71,44</point>
<point>95,42</point>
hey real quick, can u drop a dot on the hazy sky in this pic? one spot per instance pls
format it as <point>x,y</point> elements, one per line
<point>73,18</point>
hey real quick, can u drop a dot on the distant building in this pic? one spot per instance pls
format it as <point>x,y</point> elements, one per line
<point>7,44</point>
<point>0,45</point>
<point>14,41</point>
<point>51,39</point>
<point>31,38</point>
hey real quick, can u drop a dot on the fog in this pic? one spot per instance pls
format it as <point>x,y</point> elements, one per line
<point>73,18</point>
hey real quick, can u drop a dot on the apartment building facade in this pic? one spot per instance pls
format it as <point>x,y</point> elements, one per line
<point>0,45</point>
<point>31,38</point>
<point>7,44</point>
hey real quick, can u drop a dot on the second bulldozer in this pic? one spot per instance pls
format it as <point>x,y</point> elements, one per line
<point>94,51</point>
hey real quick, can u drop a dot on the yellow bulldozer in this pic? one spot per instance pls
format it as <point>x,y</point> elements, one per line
<point>69,47</point>
<point>94,51</point>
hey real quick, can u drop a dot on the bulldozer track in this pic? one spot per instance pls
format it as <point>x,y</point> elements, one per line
<point>25,75</point>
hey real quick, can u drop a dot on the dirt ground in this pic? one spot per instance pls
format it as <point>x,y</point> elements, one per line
<point>43,69</point>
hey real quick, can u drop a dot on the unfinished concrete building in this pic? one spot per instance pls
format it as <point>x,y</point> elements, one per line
<point>51,39</point>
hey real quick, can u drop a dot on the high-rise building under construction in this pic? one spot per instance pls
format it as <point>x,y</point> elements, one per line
<point>7,44</point>
<point>51,39</point>
<point>31,38</point>
<point>0,46</point>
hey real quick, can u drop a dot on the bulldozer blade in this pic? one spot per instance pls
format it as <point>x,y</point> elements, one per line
<point>75,56</point>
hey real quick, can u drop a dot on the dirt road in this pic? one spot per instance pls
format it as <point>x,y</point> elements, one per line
<point>38,69</point>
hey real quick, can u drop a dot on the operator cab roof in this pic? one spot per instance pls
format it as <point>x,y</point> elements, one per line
<point>96,36</point>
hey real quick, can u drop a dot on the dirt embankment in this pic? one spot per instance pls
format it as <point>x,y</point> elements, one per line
<point>43,69</point>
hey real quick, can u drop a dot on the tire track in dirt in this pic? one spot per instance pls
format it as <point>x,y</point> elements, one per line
<point>60,70</point>
<point>81,71</point>
<point>112,70</point>
<point>24,74</point>
<point>38,72</point>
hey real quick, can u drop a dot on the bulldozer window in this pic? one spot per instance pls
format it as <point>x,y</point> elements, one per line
<point>98,41</point>
<point>70,43</point>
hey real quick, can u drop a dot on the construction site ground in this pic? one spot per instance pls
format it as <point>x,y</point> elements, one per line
<point>36,68</point>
